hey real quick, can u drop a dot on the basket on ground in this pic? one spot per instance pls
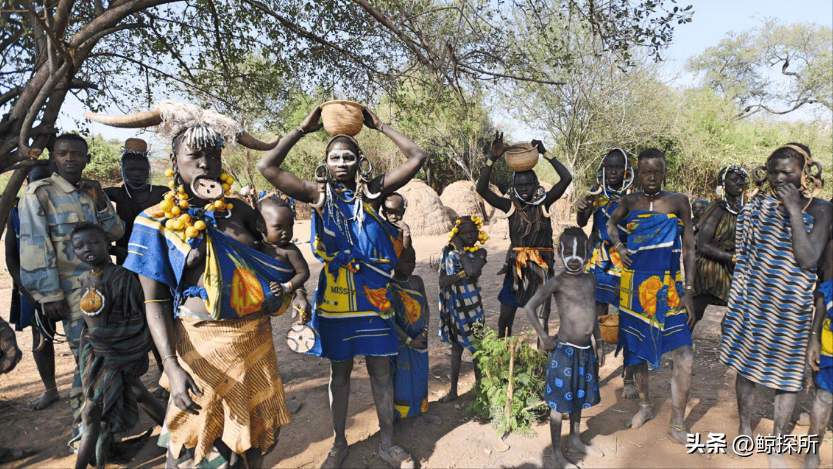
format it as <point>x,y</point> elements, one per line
<point>609,326</point>
<point>342,117</point>
<point>522,157</point>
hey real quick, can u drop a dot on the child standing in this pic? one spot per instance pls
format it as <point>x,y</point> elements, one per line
<point>820,357</point>
<point>461,310</point>
<point>275,223</point>
<point>114,346</point>
<point>394,212</point>
<point>409,367</point>
<point>572,370</point>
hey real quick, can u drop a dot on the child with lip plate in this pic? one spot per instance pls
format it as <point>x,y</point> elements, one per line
<point>461,309</point>
<point>114,346</point>
<point>275,223</point>
<point>572,368</point>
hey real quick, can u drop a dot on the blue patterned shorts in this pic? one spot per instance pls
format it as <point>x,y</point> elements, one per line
<point>572,379</point>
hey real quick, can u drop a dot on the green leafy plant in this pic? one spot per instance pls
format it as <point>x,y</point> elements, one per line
<point>513,376</point>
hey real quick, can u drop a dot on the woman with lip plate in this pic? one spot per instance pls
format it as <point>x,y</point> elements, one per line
<point>715,243</point>
<point>353,312</point>
<point>780,238</point>
<point>208,297</point>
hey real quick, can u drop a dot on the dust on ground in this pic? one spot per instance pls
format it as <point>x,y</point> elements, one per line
<point>461,440</point>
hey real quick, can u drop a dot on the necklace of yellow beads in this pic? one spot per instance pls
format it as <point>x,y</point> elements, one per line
<point>481,237</point>
<point>175,205</point>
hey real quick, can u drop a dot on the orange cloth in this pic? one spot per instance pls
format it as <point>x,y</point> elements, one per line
<point>525,255</point>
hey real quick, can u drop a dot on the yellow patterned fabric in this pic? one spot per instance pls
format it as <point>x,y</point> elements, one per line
<point>233,363</point>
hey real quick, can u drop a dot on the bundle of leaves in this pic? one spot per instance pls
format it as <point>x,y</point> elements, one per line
<point>513,376</point>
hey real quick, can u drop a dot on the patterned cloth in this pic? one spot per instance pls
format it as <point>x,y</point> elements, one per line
<point>352,311</point>
<point>236,276</point>
<point>572,378</point>
<point>114,355</point>
<point>49,210</point>
<point>824,378</point>
<point>128,209</point>
<point>233,363</point>
<point>530,256</point>
<point>714,276</point>
<point>649,290</point>
<point>604,262</point>
<point>770,310</point>
<point>461,309</point>
<point>409,367</point>
<point>22,313</point>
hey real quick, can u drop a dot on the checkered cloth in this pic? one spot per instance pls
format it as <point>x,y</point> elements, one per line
<point>461,309</point>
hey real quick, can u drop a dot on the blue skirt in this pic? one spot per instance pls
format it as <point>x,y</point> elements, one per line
<point>572,379</point>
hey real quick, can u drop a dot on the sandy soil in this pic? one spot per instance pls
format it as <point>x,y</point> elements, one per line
<point>461,440</point>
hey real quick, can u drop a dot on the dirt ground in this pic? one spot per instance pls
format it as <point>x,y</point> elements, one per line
<point>461,440</point>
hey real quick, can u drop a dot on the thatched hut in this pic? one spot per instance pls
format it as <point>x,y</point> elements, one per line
<point>425,214</point>
<point>461,197</point>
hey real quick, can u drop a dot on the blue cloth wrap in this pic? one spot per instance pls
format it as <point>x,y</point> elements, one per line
<point>572,379</point>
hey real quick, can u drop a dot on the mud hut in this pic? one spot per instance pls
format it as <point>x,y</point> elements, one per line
<point>425,214</point>
<point>461,197</point>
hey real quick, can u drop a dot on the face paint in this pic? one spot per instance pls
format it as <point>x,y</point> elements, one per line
<point>572,257</point>
<point>340,157</point>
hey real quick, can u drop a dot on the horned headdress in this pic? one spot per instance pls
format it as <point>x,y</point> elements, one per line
<point>199,127</point>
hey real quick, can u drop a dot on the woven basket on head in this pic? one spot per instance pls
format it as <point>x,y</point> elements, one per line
<point>461,197</point>
<point>425,214</point>
<point>521,157</point>
<point>342,117</point>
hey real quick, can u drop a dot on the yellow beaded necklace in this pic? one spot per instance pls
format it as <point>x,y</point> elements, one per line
<point>175,205</point>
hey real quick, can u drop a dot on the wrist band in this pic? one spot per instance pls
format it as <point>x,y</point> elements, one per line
<point>814,333</point>
<point>489,162</point>
<point>688,287</point>
<point>462,274</point>
<point>408,342</point>
<point>299,129</point>
<point>158,301</point>
<point>169,356</point>
<point>616,246</point>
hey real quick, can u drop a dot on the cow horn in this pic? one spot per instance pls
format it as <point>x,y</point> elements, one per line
<point>508,214</point>
<point>248,141</point>
<point>131,121</point>
<point>597,191</point>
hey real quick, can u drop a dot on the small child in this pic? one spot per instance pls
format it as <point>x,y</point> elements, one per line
<point>114,347</point>
<point>698,208</point>
<point>820,357</point>
<point>461,309</point>
<point>409,367</point>
<point>394,212</point>
<point>572,371</point>
<point>275,223</point>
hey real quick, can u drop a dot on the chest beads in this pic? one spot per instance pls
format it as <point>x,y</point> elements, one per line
<point>92,302</point>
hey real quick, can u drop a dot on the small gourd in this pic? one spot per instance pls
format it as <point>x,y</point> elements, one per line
<point>92,302</point>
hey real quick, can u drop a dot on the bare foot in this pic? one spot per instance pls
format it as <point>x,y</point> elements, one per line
<point>335,457</point>
<point>574,443</point>
<point>630,391</point>
<point>680,436</point>
<point>644,414</point>
<point>812,461</point>
<point>48,397</point>
<point>430,418</point>
<point>449,397</point>
<point>558,461</point>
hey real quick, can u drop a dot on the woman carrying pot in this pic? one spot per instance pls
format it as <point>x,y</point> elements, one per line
<point>353,313</point>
